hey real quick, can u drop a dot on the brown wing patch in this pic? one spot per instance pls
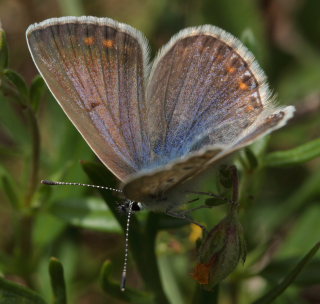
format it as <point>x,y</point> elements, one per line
<point>155,185</point>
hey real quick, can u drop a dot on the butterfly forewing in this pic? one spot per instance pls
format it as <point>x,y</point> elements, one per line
<point>203,82</point>
<point>95,69</point>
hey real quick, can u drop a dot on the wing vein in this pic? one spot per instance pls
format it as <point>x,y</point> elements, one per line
<point>66,67</point>
<point>179,93</point>
<point>123,125</point>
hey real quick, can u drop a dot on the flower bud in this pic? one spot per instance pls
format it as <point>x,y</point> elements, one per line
<point>220,251</point>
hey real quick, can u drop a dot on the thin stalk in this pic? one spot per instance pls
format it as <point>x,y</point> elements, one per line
<point>35,139</point>
<point>151,271</point>
<point>23,248</point>
<point>202,296</point>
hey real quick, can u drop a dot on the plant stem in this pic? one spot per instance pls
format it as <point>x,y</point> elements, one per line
<point>202,296</point>
<point>152,274</point>
<point>35,138</point>
<point>234,293</point>
<point>24,247</point>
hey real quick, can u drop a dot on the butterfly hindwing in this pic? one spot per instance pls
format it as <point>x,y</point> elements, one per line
<point>152,187</point>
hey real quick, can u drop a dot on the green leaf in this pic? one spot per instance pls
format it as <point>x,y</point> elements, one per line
<point>14,127</point>
<point>297,200</point>
<point>294,156</point>
<point>12,293</point>
<point>47,228</point>
<point>170,273</point>
<point>10,188</point>
<point>169,222</point>
<point>17,80</point>
<point>113,288</point>
<point>3,49</point>
<point>37,89</point>
<point>71,7</point>
<point>216,201</point>
<point>89,213</point>
<point>238,17</point>
<point>251,158</point>
<point>101,176</point>
<point>299,236</point>
<point>310,275</point>
<point>289,279</point>
<point>57,282</point>
<point>305,76</point>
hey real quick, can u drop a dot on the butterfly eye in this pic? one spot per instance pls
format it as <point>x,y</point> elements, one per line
<point>136,206</point>
<point>127,205</point>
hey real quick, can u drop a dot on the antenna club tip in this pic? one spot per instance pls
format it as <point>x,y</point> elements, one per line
<point>47,182</point>
<point>123,281</point>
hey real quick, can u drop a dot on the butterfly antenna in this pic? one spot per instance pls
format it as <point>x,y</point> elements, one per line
<point>53,183</point>
<point>126,250</point>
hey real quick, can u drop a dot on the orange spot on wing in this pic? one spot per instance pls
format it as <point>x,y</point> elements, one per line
<point>243,86</point>
<point>249,108</point>
<point>89,40</point>
<point>108,43</point>
<point>231,69</point>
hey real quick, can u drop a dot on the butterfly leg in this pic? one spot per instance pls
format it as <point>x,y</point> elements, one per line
<point>235,187</point>
<point>192,201</point>
<point>184,216</point>
<point>197,208</point>
<point>234,200</point>
<point>219,197</point>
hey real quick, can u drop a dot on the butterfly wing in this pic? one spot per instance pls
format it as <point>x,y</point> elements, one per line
<point>207,98</point>
<point>204,89</point>
<point>95,69</point>
<point>266,123</point>
<point>150,187</point>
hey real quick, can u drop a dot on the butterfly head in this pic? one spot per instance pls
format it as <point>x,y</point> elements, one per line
<point>125,206</point>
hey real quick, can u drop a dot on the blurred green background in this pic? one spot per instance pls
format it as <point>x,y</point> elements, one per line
<point>280,193</point>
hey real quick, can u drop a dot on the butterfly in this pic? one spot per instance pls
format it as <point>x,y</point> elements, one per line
<point>155,126</point>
